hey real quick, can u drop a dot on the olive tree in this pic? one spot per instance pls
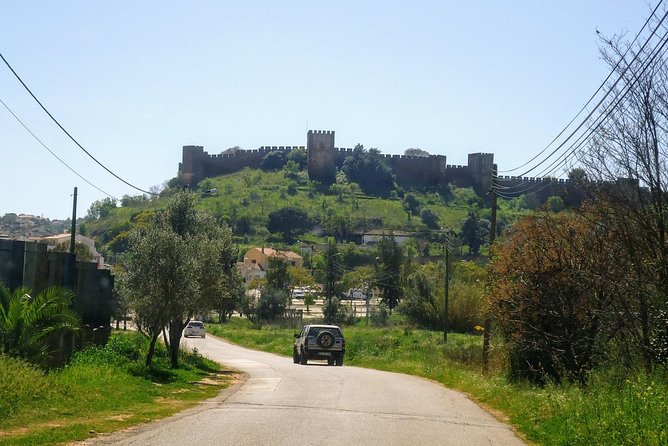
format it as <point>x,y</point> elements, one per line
<point>178,266</point>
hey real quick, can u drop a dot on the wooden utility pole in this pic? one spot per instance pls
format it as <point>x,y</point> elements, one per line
<point>488,320</point>
<point>73,230</point>
<point>446,316</point>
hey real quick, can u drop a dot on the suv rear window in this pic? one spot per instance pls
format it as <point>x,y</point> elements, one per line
<point>315,331</point>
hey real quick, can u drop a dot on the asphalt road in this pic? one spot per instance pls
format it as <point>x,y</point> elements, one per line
<point>282,403</point>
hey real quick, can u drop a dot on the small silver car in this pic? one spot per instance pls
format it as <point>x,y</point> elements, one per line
<point>195,328</point>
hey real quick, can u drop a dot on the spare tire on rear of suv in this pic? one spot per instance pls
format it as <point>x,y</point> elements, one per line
<point>325,339</point>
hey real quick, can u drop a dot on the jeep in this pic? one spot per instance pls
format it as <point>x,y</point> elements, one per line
<point>319,342</point>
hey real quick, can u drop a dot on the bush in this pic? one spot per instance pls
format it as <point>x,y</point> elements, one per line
<point>380,316</point>
<point>272,304</point>
<point>19,382</point>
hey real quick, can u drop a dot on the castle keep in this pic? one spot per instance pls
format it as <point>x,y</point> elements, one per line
<point>323,160</point>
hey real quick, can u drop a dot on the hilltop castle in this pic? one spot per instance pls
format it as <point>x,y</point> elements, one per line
<point>323,160</point>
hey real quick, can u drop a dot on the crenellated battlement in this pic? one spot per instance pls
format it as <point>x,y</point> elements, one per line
<point>323,159</point>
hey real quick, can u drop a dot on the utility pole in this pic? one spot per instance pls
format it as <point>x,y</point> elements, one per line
<point>446,316</point>
<point>330,280</point>
<point>73,230</point>
<point>488,320</point>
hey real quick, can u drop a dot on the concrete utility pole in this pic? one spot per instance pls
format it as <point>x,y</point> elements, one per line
<point>73,230</point>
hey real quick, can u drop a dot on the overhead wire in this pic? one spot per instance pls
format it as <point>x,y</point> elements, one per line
<point>534,185</point>
<point>611,107</point>
<point>52,152</point>
<point>68,133</point>
<point>605,81</point>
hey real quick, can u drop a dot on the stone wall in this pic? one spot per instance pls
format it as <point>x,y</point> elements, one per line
<point>323,159</point>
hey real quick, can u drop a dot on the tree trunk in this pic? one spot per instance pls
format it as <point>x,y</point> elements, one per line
<point>151,349</point>
<point>175,329</point>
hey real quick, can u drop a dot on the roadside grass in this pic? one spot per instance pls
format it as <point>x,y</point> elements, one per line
<point>609,411</point>
<point>101,390</point>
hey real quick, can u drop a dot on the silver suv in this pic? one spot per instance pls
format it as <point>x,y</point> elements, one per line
<point>319,342</point>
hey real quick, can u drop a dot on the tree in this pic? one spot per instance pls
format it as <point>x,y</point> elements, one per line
<point>627,163</point>
<point>555,203</point>
<point>232,291</point>
<point>369,170</point>
<point>101,208</point>
<point>27,322</point>
<point>274,160</point>
<point>289,222</point>
<point>411,205</point>
<point>388,278</point>
<point>298,155</point>
<point>473,233</point>
<point>278,276</point>
<point>81,251</point>
<point>416,152</point>
<point>429,218</point>
<point>553,297</point>
<point>424,297</point>
<point>177,267</point>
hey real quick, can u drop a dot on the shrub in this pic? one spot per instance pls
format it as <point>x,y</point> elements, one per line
<point>380,316</point>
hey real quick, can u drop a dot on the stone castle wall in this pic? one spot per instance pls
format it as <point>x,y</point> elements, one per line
<point>323,160</point>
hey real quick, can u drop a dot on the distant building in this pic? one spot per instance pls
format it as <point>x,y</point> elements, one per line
<point>55,240</point>
<point>250,271</point>
<point>261,256</point>
<point>375,236</point>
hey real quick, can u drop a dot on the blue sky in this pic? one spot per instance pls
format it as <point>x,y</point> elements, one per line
<point>135,81</point>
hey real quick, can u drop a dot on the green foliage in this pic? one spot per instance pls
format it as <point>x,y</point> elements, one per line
<point>298,156</point>
<point>81,251</point>
<point>473,233</point>
<point>102,389</point>
<point>424,296</point>
<point>411,204</point>
<point>27,322</point>
<point>278,276</point>
<point>369,170</point>
<point>429,218</point>
<point>247,198</point>
<point>555,203</point>
<point>179,266</point>
<point>274,160</point>
<point>272,304</point>
<point>380,315</point>
<point>101,208</point>
<point>133,200</point>
<point>290,222</point>
<point>388,278</point>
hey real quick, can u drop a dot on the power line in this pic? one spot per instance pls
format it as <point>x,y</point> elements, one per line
<point>67,133</point>
<point>620,94</point>
<point>51,152</point>
<point>600,102</point>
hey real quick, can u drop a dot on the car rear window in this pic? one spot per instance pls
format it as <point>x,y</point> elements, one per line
<point>196,324</point>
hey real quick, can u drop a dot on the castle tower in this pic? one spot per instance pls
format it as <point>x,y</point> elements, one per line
<point>191,168</point>
<point>481,166</point>
<point>320,156</point>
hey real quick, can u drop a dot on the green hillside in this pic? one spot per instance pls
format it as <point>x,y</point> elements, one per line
<point>245,201</point>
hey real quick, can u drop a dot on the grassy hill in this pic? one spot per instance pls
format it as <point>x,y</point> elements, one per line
<point>245,200</point>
